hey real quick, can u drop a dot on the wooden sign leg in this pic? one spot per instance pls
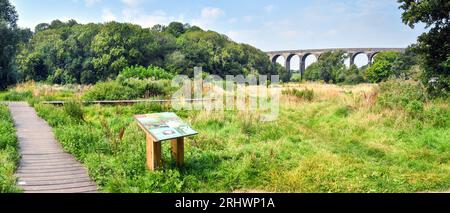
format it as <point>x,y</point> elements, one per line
<point>153,154</point>
<point>178,151</point>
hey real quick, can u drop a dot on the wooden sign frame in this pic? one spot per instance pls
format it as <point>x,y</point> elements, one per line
<point>153,142</point>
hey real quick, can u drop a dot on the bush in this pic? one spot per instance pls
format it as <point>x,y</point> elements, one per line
<point>438,116</point>
<point>74,109</point>
<point>127,89</point>
<point>146,88</point>
<point>111,90</point>
<point>399,94</point>
<point>80,140</point>
<point>151,72</point>
<point>17,96</point>
<point>382,68</point>
<point>297,77</point>
<point>354,79</point>
<point>302,94</point>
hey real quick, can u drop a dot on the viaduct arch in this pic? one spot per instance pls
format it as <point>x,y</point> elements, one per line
<point>303,54</point>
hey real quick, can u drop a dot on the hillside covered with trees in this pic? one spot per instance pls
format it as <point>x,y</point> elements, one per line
<point>76,53</point>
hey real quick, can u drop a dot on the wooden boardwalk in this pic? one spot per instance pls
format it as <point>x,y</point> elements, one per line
<point>44,166</point>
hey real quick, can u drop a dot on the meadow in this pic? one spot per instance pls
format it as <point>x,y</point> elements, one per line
<point>328,138</point>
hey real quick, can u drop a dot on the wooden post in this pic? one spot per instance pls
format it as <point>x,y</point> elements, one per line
<point>178,151</point>
<point>153,154</point>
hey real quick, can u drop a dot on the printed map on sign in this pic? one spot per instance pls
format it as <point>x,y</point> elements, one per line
<point>165,126</point>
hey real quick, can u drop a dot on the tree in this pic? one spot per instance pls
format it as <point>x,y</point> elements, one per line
<point>382,67</point>
<point>175,29</point>
<point>41,27</point>
<point>331,66</point>
<point>434,46</point>
<point>403,65</point>
<point>8,43</point>
<point>67,52</point>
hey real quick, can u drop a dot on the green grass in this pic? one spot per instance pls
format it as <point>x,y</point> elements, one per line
<point>330,144</point>
<point>9,156</point>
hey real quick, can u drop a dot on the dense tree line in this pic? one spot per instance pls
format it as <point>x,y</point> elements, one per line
<point>68,52</point>
<point>330,68</point>
<point>432,46</point>
<point>10,38</point>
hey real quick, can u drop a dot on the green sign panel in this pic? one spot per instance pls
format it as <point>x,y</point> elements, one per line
<point>165,126</point>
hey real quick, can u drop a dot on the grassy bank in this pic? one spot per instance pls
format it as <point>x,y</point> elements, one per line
<point>9,156</point>
<point>338,139</point>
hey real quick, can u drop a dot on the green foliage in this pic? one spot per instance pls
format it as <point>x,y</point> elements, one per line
<point>434,45</point>
<point>398,94</point>
<point>74,53</point>
<point>353,76</point>
<point>9,41</point>
<point>296,77</point>
<point>382,67</point>
<point>110,90</point>
<point>312,72</point>
<point>151,72</point>
<point>74,109</point>
<point>305,94</point>
<point>399,147</point>
<point>16,96</point>
<point>330,68</point>
<point>9,156</point>
<point>127,89</point>
<point>412,98</point>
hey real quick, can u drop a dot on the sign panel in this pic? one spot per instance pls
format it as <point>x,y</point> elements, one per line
<point>165,126</point>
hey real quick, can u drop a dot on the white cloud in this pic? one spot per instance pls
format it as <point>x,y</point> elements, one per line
<point>232,20</point>
<point>107,15</point>
<point>90,3</point>
<point>132,3</point>
<point>268,8</point>
<point>148,20</point>
<point>212,12</point>
<point>248,18</point>
<point>290,34</point>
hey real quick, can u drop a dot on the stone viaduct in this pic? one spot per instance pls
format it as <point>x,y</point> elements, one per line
<point>303,54</point>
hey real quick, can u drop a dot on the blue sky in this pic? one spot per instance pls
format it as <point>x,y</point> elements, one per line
<point>266,24</point>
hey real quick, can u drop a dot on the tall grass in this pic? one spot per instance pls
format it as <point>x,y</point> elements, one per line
<point>9,156</point>
<point>346,139</point>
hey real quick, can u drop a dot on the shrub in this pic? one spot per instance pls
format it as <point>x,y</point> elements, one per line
<point>415,109</point>
<point>296,77</point>
<point>17,96</point>
<point>74,109</point>
<point>382,68</point>
<point>151,72</point>
<point>145,88</point>
<point>80,140</point>
<point>111,90</point>
<point>399,94</point>
<point>438,116</point>
<point>302,94</point>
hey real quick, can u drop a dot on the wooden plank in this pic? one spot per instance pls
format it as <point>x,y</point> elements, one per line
<point>55,177</point>
<point>58,186</point>
<point>36,170</point>
<point>44,166</point>
<point>88,189</point>
<point>32,174</point>
<point>32,182</point>
<point>178,151</point>
<point>154,160</point>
